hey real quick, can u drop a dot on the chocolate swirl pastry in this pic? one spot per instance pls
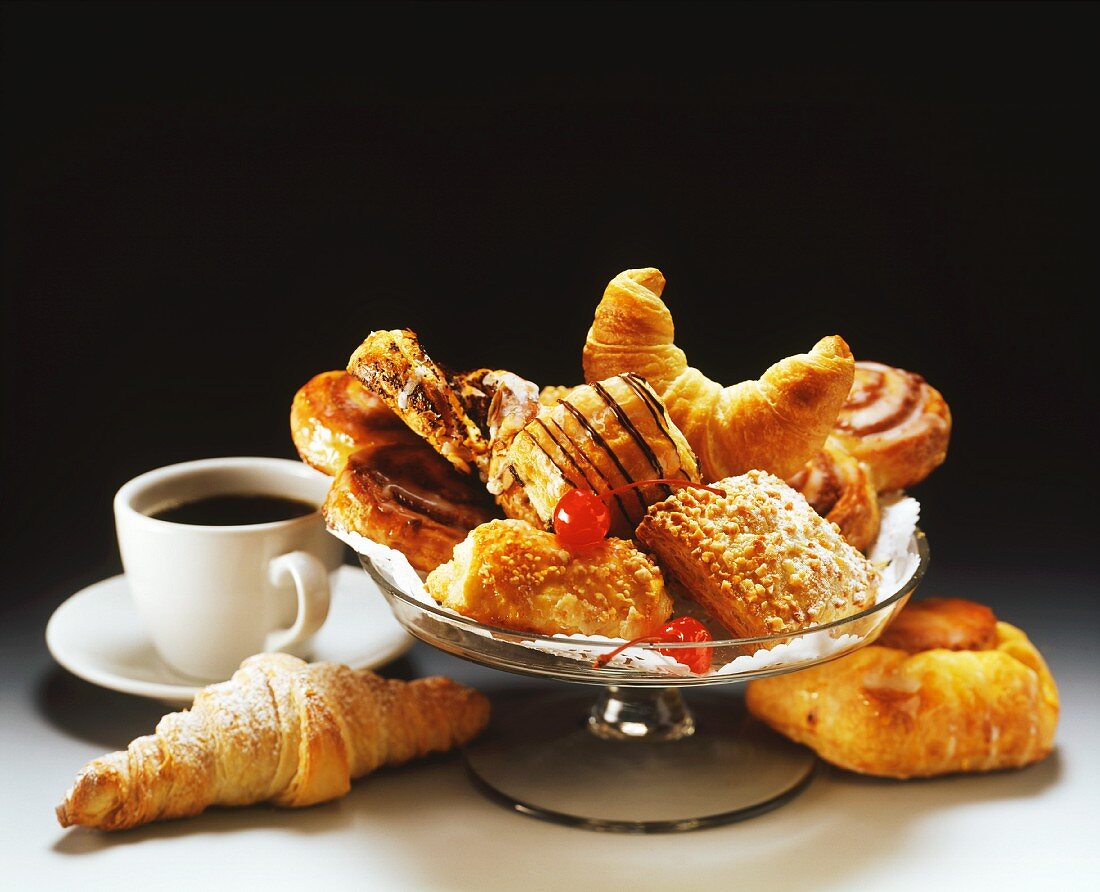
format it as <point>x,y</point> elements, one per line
<point>599,437</point>
<point>839,489</point>
<point>896,423</point>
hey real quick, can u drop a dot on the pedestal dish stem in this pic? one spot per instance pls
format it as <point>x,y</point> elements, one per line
<point>635,713</point>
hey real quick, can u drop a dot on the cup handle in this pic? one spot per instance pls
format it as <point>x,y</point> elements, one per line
<point>310,579</point>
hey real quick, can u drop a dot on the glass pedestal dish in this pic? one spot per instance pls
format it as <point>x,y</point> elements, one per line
<point>635,755</point>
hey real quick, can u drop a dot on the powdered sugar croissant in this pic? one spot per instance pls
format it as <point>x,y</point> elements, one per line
<point>279,731</point>
<point>775,424</point>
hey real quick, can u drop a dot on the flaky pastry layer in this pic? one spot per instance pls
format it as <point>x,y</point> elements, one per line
<point>510,575</point>
<point>759,558</point>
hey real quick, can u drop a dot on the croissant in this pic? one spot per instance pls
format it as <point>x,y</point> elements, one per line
<point>840,489</point>
<point>918,707</point>
<point>775,424</point>
<point>279,731</point>
<point>599,437</point>
<point>896,423</point>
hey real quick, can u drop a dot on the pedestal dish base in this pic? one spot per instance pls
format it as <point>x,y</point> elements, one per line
<point>638,761</point>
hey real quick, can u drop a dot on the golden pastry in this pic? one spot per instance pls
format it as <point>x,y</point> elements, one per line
<point>896,423</point>
<point>600,437</point>
<point>840,489</point>
<point>759,558</point>
<point>408,498</point>
<point>776,424</point>
<point>510,575</point>
<point>393,365</point>
<point>469,418</point>
<point>279,731</point>
<point>550,394</point>
<point>948,623</point>
<point>333,415</point>
<point>900,712</point>
<point>390,485</point>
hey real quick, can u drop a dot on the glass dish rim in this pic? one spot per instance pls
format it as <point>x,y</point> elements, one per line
<point>909,586</point>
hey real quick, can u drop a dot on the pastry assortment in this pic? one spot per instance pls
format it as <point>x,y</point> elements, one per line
<point>652,503</point>
<point>647,504</point>
<point>645,493</point>
<point>947,688</point>
<point>280,731</point>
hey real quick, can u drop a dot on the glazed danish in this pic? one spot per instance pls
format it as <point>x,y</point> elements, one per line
<point>333,415</point>
<point>408,499</point>
<point>922,709</point>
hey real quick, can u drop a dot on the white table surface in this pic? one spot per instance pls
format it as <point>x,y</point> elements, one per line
<point>423,826</point>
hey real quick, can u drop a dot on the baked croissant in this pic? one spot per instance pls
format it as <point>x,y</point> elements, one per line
<point>599,437</point>
<point>919,708</point>
<point>776,424</point>
<point>896,423</point>
<point>840,489</point>
<point>279,731</point>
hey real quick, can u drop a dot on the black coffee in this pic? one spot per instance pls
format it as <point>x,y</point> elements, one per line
<point>235,510</point>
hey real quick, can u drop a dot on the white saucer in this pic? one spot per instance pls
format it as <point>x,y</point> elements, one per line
<point>97,635</point>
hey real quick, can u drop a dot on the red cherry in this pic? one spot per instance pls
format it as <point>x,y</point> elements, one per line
<point>581,520</point>
<point>697,659</point>
<point>687,629</point>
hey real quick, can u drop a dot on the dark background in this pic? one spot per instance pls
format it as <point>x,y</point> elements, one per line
<point>207,204</point>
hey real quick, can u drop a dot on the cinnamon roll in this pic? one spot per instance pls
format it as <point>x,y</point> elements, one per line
<point>839,489</point>
<point>599,437</point>
<point>896,423</point>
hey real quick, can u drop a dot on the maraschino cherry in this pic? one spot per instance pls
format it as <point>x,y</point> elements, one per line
<point>582,518</point>
<point>697,659</point>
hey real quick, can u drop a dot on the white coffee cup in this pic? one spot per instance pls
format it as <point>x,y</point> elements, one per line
<point>212,595</point>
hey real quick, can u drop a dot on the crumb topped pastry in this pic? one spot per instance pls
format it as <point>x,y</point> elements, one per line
<point>759,558</point>
<point>508,574</point>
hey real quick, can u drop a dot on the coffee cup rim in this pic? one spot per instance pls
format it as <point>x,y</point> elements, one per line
<point>126,494</point>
